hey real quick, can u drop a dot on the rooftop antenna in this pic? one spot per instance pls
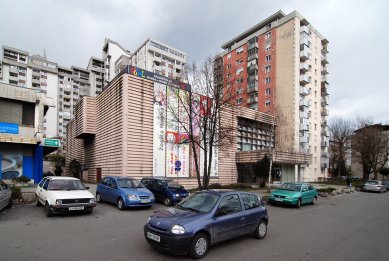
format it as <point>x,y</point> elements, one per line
<point>44,53</point>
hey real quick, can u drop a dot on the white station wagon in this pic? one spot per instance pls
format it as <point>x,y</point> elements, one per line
<point>64,195</point>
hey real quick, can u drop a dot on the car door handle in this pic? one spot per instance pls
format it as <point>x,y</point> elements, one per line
<point>242,218</point>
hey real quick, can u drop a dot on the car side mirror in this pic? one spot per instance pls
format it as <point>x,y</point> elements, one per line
<point>304,190</point>
<point>221,212</point>
<point>87,187</point>
<point>182,187</point>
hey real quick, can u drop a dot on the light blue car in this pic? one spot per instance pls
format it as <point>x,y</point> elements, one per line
<point>124,192</point>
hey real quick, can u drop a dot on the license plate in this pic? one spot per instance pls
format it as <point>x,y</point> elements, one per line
<point>154,237</point>
<point>76,208</point>
<point>279,199</point>
<point>145,201</point>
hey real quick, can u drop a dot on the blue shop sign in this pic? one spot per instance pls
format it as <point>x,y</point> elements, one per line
<point>10,128</point>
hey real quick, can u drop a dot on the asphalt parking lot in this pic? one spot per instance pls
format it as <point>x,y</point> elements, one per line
<point>346,227</point>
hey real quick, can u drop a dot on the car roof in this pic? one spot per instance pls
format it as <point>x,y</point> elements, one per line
<point>159,178</point>
<point>223,191</point>
<point>61,178</point>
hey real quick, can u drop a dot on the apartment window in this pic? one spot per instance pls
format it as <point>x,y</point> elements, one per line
<point>240,70</point>
<point>268,58</point>
<point>229,75</point>
<point>229,55</point>
<point>239,80</point>
<point>267,91</point>
<point>267,103</point>
<point>240,61</point>
<point>268,47</point>
<point>240,50</point>
<point>239,91</point>
<point>239,100</point>
<point>268,26</point>
<point>267,80</point>
<point>267,69</point>
<point>228,66</point>
<point>267,35</point>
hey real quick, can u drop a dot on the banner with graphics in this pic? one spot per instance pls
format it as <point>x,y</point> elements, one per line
<point>159,144</point>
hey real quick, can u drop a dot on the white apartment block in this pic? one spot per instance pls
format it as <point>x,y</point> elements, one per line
<point>156,57</point>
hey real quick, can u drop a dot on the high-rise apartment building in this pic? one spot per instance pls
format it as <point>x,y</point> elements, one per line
<point>280,66</point>
<point>67,85</point>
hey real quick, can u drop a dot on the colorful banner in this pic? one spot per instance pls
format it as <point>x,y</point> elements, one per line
<point>159,144</point>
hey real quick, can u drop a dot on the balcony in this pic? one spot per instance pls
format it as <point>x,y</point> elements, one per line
<point>252,100</point>
<point>324,59</point>
<point>13,69</point>
<point>305,79</point>
<point>304,91</point>
<point>305,55</point>
<point>324,69</point>
<point>324,50</point>
<point>252,56</point>
<point>305,29</point>
<point>304,41</point>
<point>324,78</point>
<point>304,126</point>
<point>252,45</point>
<point>304,139</point>
<point>304,103</point>
<point>252,67</point>
<point>324,100</point>
<point>304,114</point>
<point>253,78</point>
<point>324,112</point>
<point>304,67</point>
<point>13,78</point>
<point>253,88</point>
<point>325,154</point>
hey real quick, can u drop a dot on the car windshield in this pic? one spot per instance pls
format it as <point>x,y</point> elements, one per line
<point>66,184</point>
<point>290,186</point>
<point>170,183</point>
<point>199,202</point>
<point>372,182</point>
<point>129,183</point>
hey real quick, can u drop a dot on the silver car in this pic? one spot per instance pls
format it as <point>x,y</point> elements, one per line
<point>5,196</point>
<point>374,185</point>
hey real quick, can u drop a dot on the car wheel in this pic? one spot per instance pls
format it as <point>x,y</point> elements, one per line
<point>10,203</point>
<point>167,201</point>
<point>261,230</point>
<point>38,203</point>
<point>98,198</point>
<point>120,204</point>
<point>298,203</point>
<point>199,246</point>
<point>48,211</point>
<point>314,201</point>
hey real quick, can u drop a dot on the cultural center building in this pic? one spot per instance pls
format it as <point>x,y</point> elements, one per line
<point>127,130</point>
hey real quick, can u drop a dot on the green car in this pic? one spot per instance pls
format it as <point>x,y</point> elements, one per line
<point>294,194</point>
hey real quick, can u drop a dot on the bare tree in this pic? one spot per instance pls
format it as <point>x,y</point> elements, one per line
<point>370,144</point>
<point>199,110</point>
<point>341,131</point>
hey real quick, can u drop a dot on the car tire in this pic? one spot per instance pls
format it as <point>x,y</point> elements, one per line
<point>120,204</point>
<point>10,203</point>
<point>98,198</point>
<point>38,203</point>
<point>261,230</point>
<point>167,202</point>
<point>314,201</point>
<point>199,247</point>
<point>298,205</point>
<point>48,211</point>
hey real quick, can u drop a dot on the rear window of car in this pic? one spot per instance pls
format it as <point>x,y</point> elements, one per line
<point>250,201</point>
<point>372,182</point>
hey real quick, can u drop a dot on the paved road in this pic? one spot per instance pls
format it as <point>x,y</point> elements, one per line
<point>346,227</point>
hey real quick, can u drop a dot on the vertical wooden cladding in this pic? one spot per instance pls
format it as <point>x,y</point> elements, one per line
<point>138,133</point>
<point>75,148</point>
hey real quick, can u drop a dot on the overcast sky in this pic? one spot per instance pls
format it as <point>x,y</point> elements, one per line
<point>71,31</point>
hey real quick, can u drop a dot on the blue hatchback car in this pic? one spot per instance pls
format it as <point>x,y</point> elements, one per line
<point>165,190</point>
<point>124,192</point>
<point>206,218</point>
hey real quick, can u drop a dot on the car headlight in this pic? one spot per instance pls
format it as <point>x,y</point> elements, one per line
<point>188,193</point>
<point>289,197</point>
<point>58,202</point>
<point>92,200</point>
<point>177,195</point>
<point>133,197</point>
<point>148,220</point>
<point>178,230</point>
